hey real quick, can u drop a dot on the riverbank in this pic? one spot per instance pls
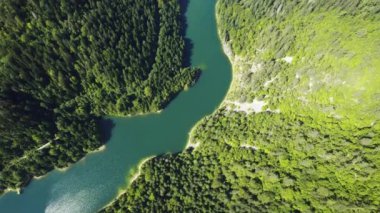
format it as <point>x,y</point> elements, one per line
<point>139,168</point>
<point>227,52</point>
<point>190,143</point>
<point>17,190</point>
<point>130,181</point>
<point>100,149</point>
<point>64,169</point>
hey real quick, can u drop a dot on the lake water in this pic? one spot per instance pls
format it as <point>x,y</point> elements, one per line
<point>94,181</point>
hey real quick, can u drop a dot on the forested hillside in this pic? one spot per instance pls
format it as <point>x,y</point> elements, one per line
<point>64,64</point>
<point>299,129</point>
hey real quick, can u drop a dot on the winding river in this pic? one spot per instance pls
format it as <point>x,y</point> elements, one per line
<point>95,180</point>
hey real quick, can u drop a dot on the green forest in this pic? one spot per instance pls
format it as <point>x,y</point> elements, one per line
<point>314,146</point>
<point>65,64</point>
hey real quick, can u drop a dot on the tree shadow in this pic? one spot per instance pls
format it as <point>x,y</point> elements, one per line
<point>105,126</point>
<point>188,51</point>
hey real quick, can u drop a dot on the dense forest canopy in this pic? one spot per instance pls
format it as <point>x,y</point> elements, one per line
<point>313,144</point>
<point>64,64</point>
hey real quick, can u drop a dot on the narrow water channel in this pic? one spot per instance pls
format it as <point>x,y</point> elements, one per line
<point>94,181</point>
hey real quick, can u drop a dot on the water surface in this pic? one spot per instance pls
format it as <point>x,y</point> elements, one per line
<point>95,180</point>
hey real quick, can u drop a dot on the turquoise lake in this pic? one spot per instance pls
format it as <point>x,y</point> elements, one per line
<point>94,181</point>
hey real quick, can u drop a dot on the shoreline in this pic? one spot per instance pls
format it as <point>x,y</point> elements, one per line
<point>100,149</point>
<point>189,143</point>
<point>39,177</point>
<point>133,115</point>
<point>17,191</point>
<point>64,169</point>
<point>229,54</point>
<point>227,50</point>
<point>139,168</point>
<point>131,179</point>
